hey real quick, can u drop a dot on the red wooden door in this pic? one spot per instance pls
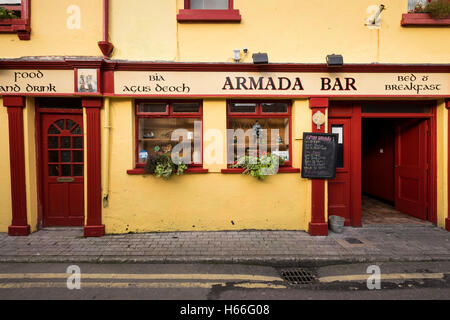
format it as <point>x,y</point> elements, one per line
<point>339,188</point>
<point>62,169</point>
<point>411,167</point>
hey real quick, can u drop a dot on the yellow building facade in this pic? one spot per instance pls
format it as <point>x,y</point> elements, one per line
<point>93,89</point>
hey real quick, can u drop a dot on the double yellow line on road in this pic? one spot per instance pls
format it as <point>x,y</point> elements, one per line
<point>148,280</point>
<point>388,276</point>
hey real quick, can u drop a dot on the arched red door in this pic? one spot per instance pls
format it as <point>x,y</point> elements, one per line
<point>62,169</point>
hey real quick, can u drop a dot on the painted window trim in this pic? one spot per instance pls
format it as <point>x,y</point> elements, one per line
<point>423,20</point>
<point>139,167</point>
<point>287,166</point>
<point>204,15</point>
<point>20,26</point>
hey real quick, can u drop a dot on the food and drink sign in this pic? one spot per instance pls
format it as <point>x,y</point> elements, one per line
<point>36,82</point>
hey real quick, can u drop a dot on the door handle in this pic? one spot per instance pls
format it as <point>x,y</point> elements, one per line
<point>64,179</point>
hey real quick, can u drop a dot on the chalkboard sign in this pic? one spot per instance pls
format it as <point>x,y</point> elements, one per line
<point>319,155</point>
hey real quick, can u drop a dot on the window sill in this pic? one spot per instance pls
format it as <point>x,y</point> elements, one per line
<point>280,170</point>
<point>141,171</point>
<point>423,20</point>
<point>18,26</point>
<point>192,15</point>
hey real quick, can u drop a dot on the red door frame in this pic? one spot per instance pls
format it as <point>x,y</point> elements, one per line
<point>353,111</point>
<point>39,167</point>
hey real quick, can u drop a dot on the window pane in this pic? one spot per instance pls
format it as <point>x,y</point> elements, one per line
<point>186,108</point>
<point>339,130</point>
<point>258,135</point>
<point>155,137</point>
<point>77,130</point>
<point>243,107</point>
<point>53,156</point>
<point>412,4</point>
<point>65,142</point>
<point>65,156</point>
<point>77,156</point>
<point>53,130</point>
<point>78,170</point>
<point>53,170</point>
<point>209,4</point>
<point>65,170</point>
<point>77,142</point>
<point>274,107</point>
<point>53,142</point>
<point>153,107</point>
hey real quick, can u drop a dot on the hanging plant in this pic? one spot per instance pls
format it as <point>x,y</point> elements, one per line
<point>438,9</point>
<point>7,14</point>
<point>163,166</point>
<point>260,167</point>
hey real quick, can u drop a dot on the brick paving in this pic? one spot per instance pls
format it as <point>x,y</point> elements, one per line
<point>373,243</point>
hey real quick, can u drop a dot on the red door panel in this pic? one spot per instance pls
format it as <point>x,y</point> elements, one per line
<point>339,188</point>
<point>62,169</point>
<point>411,168</point>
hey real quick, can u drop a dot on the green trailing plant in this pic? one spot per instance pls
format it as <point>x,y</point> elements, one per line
<point>259,167</point>
<point>163,166</point>
<point>7,14</point>
<point>437,9</point>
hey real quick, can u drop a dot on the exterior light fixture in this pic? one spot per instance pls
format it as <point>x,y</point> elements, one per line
<point>335,60</point>
<point>260,58</point>
<point>236,55</point>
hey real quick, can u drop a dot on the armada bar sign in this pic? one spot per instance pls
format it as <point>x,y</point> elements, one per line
<point>226,84</point>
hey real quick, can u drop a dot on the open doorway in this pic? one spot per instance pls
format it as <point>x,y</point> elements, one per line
<point>395,166</point>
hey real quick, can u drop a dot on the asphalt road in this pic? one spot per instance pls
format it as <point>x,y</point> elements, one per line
<point>411,281</point>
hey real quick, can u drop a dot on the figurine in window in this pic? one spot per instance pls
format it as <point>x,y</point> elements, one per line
<point>256,131</point>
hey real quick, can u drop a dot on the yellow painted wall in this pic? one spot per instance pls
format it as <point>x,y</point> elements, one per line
<point>289,31</point>
<point>29,121</point>
<point>213,201</point>
<point>50,35</point>
<point>442,168</point>
<point>5,178</point>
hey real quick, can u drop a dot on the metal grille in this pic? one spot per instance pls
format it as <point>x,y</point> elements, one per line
<point>297,276</point>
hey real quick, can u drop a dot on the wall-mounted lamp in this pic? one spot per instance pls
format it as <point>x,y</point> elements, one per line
<point>260,58</point>
<point>236,55</point>
<point>335,60</point>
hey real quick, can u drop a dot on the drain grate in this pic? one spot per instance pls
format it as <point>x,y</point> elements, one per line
<point>298,276</point>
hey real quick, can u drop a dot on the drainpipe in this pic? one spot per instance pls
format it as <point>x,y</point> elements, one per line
<point>105,175</point>
<point>105,46</point>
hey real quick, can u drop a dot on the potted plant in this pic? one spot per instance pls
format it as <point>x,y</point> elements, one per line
<point>436,9</point>
<point>7,14</point>
<point>260,166</point>
<point>162,166</point>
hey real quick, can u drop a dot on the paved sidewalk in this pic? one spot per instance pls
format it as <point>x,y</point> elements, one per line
<point>368,244</point>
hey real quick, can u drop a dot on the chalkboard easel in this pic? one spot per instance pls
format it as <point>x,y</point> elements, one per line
<point>319,155</point>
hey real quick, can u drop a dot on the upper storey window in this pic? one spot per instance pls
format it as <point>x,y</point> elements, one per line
<point>15,17</point>
<point>208,11</point>
<point>427,13</point>
<point>210,4</point>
